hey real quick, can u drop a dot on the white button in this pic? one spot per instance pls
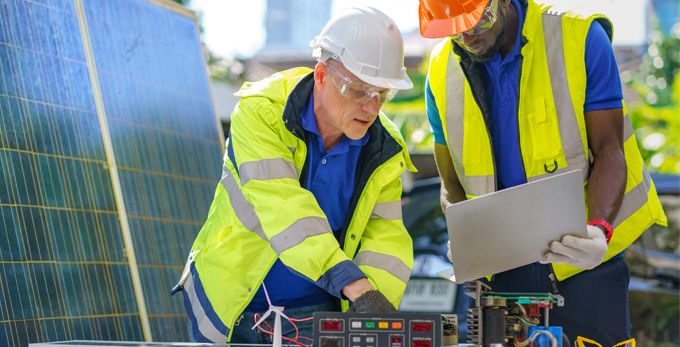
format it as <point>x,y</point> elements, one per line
<point>323,161</point>
<point>356,324</point>
<point>369,339</point>
<point>356,339</point>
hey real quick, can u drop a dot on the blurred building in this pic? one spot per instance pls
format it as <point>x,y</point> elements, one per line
<point>291,24</point>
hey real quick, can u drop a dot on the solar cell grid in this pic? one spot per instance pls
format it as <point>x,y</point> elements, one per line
<point>64,268</point>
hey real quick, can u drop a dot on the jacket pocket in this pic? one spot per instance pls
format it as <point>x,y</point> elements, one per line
<point>545,132</point>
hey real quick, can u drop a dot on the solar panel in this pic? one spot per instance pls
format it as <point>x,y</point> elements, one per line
<point>78,80</point>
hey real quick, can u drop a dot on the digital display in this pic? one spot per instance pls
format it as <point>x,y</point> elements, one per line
<point>422,327</point>
<point>422,343</point>
<point>332,343</point>
<point>332,325</point>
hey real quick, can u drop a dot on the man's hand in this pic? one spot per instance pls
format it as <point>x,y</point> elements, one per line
<point>372,301</point>
<point>583,253</point>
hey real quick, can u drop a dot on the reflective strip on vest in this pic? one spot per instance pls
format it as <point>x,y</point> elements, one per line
<point>570,134</point>
<point>298,232</point>
<point>635,199</point>
<point>455,115</point>
<point>266,169</point>
<point>569,129</point>
<point>387,210</point>
<point>393,265</point>
<point>244,211</point>
<point>205,326</point>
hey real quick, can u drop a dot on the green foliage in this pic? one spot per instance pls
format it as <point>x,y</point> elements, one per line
<point>407,111</point>
<point>656,119</point>
<point>655,317</point>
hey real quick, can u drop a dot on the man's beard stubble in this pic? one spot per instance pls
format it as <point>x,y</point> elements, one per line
<point>482,57</point>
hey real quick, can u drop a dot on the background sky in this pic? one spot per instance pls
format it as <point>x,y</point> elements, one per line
<point>236,27</point>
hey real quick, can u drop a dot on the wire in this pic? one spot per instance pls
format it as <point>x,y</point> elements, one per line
<point>528,323</point>
<point>297,332</point>
<point>534,336</point>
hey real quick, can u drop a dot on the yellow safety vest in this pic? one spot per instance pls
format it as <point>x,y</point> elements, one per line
<point>261,213</point>
<point>550,120</point>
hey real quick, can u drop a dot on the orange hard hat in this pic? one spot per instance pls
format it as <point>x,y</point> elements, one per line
<point>441,18</point>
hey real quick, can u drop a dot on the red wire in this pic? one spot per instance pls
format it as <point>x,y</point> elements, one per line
<point>297,332</point>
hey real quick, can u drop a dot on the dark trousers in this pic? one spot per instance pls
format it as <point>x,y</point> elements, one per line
<point>595,301</point>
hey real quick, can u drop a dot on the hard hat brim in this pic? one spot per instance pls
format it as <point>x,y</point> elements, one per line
<point>437,28</point>
<point>400,84</point>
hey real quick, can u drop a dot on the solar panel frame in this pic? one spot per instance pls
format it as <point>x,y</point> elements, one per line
<point>68,260</point>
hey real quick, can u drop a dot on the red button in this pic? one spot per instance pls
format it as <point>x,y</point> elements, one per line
<point>422,343</point>
<point>396,340</point>
<point>332,326</point>
<point>422,327</point>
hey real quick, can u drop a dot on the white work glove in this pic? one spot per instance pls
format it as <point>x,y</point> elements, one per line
<point>448,254</point>
<point>577,251</point>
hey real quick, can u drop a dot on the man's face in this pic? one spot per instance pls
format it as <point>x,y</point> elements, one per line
<point>485,45</point>
<point>342,115</point>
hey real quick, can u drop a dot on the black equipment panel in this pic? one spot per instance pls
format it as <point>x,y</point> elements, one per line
<point>349,329</point>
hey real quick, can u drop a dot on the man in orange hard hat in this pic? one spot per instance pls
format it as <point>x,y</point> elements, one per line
<point>515,94</point>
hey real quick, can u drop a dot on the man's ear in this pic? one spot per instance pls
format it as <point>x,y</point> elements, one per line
<point>319,74</point>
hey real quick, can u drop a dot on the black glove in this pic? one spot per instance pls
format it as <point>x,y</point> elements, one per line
<point>372,301</point>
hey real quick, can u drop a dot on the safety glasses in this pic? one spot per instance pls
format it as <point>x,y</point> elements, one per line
<point>485,23</point>
<point>358,91</point>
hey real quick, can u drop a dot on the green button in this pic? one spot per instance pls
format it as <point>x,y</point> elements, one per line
<point>370,324</point>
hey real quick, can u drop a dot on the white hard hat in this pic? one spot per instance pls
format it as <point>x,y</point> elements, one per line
<point>369,45</point>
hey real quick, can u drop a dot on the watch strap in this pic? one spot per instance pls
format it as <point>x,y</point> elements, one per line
<point>607,227</point>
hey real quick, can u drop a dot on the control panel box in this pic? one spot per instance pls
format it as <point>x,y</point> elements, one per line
<point>350,329</point>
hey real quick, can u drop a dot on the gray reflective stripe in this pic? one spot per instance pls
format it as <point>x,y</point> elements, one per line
<point>298,232</point>
<point>570,134</point>
<point>292,150</point>
<point>455,115</point>
<point>389,263</point>
<point>266,169</point>
<point>387,210</point>
<point>245,212</point>
<point>627,128</point>
<point>635,199</point>
<point>205,326</point>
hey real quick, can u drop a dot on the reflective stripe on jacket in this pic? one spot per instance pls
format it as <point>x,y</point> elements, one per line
<point>550,119</point>
<point>260,211</point>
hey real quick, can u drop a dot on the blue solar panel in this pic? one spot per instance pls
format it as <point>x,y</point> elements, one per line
<point>64,270</point>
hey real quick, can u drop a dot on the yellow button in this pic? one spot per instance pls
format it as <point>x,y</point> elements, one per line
<point>396,325</point>
<point>383,325</point>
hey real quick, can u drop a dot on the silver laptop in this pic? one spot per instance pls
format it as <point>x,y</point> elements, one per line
<point>513,227</point>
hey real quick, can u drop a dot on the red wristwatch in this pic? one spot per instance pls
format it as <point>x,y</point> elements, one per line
<point>608,227</point>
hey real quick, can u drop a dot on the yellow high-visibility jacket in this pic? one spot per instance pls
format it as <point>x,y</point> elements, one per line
<point>550,119</point>
<point>261,213</point>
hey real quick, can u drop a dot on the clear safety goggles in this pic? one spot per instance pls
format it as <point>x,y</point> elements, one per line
<point>485,23</point>
<point>358,91</point>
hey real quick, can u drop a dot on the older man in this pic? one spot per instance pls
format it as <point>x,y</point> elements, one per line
<point>308,210</point>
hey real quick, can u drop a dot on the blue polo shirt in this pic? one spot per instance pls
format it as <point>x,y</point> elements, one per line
<point>331,181</point>
<point>500,76</point>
